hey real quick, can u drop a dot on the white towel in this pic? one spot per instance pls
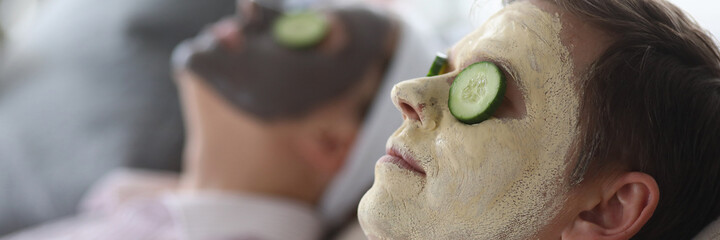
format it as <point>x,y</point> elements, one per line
<point>413,56</point>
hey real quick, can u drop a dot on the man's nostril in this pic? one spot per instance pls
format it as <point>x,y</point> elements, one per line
<point>409,111</point>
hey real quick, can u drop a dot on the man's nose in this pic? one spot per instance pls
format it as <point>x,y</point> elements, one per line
<point>422,100</point>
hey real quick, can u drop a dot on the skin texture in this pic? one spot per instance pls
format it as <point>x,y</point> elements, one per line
<point>504,178</point>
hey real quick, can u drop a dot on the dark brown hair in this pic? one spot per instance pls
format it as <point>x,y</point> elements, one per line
<point>651,103</point>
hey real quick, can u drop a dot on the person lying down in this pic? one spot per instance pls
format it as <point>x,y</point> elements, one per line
<point>558,119</point>
<point>271,117</point>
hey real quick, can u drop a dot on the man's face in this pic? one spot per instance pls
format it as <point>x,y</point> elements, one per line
<point>504,178</point>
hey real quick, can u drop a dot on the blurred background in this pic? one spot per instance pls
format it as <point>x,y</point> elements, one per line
<point>451,17</point>
<point>85,87</point>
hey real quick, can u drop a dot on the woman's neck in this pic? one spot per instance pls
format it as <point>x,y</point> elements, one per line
<point>240,159</point>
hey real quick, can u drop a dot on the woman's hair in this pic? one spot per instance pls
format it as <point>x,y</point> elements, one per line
<point>651,103</point>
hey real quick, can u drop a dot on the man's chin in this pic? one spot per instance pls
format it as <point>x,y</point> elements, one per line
<point>384,208</point>
<point>371,237</point>
<point>383,215</point>
<point>373,212</point>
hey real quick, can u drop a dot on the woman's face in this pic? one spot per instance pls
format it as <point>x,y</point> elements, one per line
<point>241,58</point>
<point>503,178</point>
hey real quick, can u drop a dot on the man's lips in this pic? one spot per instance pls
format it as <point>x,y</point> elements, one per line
<point>402,160</point>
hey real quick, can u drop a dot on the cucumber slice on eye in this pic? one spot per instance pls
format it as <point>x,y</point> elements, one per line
<point>439,65</point>
<point>300,30</point>
<point>476,92</point>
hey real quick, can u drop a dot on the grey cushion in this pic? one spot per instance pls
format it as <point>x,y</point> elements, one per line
<point>88,89</point>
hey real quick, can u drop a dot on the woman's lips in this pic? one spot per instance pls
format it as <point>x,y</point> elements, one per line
<point>402,160</point>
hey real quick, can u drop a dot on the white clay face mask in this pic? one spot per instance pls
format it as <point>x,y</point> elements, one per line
<point>498,179</point>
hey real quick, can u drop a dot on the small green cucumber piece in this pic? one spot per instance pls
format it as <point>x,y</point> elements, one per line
<point>439,65</point>
<point>299,30</point>
<point>477,92</point>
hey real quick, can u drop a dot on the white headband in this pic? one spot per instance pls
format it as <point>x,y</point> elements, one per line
<point>413,56</point>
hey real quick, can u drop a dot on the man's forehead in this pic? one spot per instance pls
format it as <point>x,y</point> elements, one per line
<point>493,31</point>
<point>584,41</point>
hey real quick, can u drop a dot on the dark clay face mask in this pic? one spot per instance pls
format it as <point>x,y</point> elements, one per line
<point>271,81</point>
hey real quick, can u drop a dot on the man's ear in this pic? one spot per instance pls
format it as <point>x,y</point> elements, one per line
<point>627,204</point>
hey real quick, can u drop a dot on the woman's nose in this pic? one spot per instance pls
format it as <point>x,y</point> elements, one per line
<point>422,100</point>
<point>227,31</point>
<point>257,16</point>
